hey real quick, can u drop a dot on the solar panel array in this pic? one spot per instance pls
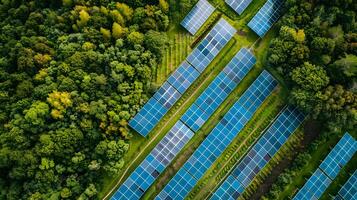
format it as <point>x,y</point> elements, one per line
<point>238,5</point>
<point>155,163</point>
<point>266,17</point>
<point>219,89</point>
<point>260,154</point>
<point>219,138</point>
<point>349,189</point>
<point>328,169</point>
<point>170,92</point>
<point>211,45</point>
<point>197,16</point>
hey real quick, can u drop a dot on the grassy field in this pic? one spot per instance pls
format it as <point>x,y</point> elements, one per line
<point>177,50</point>
<point>179,47</point>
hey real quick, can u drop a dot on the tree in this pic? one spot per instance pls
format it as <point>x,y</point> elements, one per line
<point>310,77</point>
<point>37,113</point>
<point>135,38</point>
<point>164,6</point>
<point>117,31</point>
<point>83,18</point>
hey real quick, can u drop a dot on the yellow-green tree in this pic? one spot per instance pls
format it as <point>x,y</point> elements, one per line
<point>60,101</point>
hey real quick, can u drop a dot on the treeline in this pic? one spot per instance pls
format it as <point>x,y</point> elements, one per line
<point>316,52</point>
<point>72,73</point>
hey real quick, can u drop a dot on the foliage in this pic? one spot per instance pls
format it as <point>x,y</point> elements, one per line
<point>315,51</point>
<point>72,73</point>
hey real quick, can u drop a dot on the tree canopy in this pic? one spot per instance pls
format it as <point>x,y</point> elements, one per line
<point>72,73</point>
<point>316,52</point>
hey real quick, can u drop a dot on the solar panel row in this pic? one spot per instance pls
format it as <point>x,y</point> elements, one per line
<point>339,156</point>
<point>170,92</point>
<point>155,163</point>
<point>211,45</point>
<point>315,186</point>
<point>349,189</point>
<point>266,17</point>
<point>218,140</point>
<point>328,169</point>
<point>238,5</point>
<point>197,16</point>
<point>135,186</point>
<point>260,154</point>
<point>219,89</point>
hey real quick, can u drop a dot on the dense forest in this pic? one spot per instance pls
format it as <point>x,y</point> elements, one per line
<point>316,52</point>
<point>72,73</point>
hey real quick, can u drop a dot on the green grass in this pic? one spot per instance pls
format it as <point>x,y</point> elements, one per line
<point>175,53</point>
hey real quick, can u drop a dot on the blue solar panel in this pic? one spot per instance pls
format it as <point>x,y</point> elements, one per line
<point>183,77</point>
<point>211,45</point>
<point>219,89</point>
<point>260,154</point>
<point>154,164</point>
<point>173,189</point>
<point>216,142</point>
<point>349,189</point>
<point>147,118</point>
<point>167,95</point>
<point>339,156</point>
<point>240,65</point>
<point>266,17</point>
<point>238,5</point>
<point>329,168</point>
<point>197,16</point>
<point>314,187</point>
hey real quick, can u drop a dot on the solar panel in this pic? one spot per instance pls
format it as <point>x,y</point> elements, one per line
<point>339,156</point>
<point>266,17</point>
<point>219,89</point>
<point>211,45</point>
<point>167,95</point>
<point>238,5</point>
<point>208,101</point>
<point>147,118</point>
<point>216,142</point>
<point>330,167</point>
<point>197,16</point>
<point>314,187</point>
<point>154,164</point>
<point>260,154</point>
<point>349,189</point>
<point>183,77</point>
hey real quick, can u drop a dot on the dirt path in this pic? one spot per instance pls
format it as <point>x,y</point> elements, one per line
<point>144,149</point>
<point>311,131</point>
